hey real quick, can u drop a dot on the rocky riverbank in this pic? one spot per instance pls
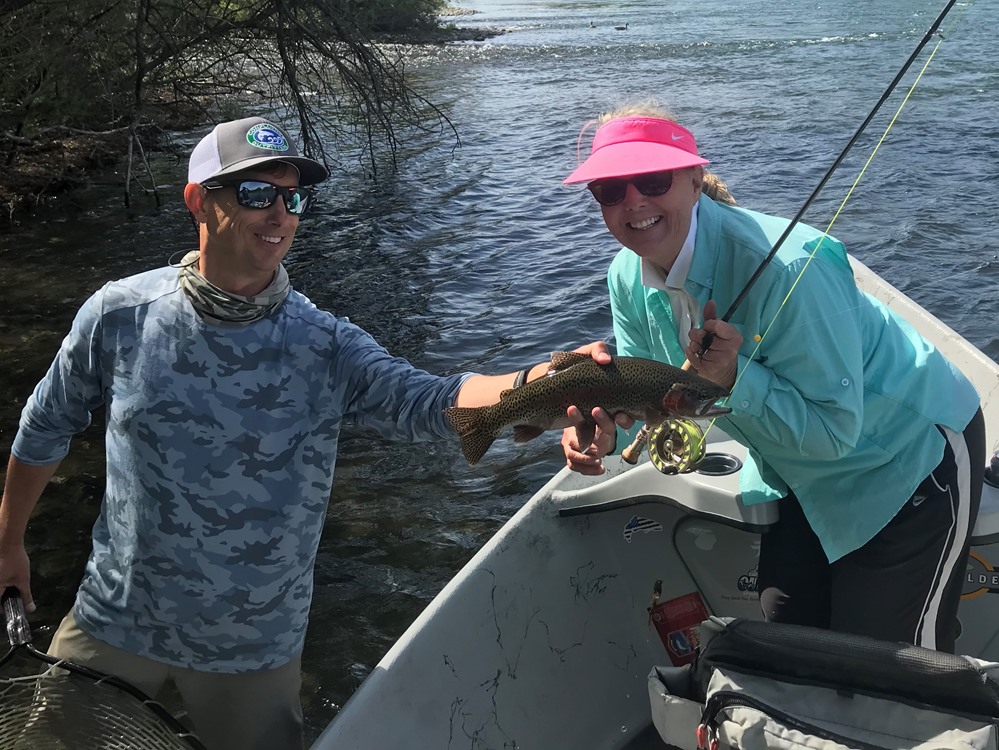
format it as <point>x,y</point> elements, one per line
<point>448,31</point>
<point>40,170</point>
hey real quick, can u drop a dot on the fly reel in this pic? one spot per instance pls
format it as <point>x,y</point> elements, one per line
<point>676,446</point>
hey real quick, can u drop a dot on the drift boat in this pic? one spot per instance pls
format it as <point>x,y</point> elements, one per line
<point>546,638</point>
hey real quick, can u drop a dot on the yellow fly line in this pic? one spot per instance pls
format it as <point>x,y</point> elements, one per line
<point>760,337</point>
<point>631,453</point>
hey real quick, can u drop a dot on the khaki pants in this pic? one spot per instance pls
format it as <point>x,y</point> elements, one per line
<point>241,711</point>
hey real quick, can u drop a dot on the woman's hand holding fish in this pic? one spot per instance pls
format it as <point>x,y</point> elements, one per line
<point>591,438</point>
<point>719,363</point>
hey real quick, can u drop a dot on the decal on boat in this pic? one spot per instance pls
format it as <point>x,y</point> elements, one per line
<point>677,621</point>
<point>637,523</point>
<point>704,539</point>
<point>980,578</point>
<point>747,582</point>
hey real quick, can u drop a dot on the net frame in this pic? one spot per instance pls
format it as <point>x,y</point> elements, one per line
<point>67,705</point>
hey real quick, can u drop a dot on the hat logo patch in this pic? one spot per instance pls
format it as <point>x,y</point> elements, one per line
<point>267,137</point>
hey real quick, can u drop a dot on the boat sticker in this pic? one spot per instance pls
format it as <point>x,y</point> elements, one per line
<point>704,539</point>
<point>677,622</point>
<point>747,582</point>
<point>637,523</point>
<point>980,577</point>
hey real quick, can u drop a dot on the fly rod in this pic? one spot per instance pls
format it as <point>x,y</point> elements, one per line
<point>631,453</point>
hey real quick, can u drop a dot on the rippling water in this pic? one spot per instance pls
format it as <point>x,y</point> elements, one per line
<point>477,258</point>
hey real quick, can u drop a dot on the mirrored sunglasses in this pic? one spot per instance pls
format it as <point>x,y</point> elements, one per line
<point>611,191</point>
<point>257,194</point>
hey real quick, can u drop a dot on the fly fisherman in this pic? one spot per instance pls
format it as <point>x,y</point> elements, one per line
<point>225,391</point>
<point>873,442</point>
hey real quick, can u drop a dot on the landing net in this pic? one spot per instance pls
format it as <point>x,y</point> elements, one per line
<point>58,710</point>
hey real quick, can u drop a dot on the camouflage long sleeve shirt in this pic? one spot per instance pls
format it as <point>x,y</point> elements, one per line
<point>220,445</point>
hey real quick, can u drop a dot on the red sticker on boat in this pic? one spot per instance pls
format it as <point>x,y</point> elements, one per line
<point>676,622</point>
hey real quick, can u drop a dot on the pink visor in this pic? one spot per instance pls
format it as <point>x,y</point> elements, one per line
<point>637,145</point>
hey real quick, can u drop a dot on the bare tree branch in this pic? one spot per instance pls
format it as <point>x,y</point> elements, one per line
<point>103,67</point>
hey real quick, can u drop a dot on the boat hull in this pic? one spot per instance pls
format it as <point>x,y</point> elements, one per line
<point>546,638</point>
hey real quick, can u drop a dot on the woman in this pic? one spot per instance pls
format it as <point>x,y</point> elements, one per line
<point>872,441</point>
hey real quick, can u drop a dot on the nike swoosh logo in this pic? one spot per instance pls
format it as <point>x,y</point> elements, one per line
<point>676,137</point>
<point>918,500</point>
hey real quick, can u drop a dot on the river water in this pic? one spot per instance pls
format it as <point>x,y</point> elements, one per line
<point>478,258</point>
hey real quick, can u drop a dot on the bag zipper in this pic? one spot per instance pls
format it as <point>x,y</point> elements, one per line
<point>707,731</point>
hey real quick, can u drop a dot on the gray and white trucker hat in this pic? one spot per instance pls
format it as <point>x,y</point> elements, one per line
<point>242,144</point>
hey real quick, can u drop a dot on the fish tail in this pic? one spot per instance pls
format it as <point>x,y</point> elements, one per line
<point>473,430</point>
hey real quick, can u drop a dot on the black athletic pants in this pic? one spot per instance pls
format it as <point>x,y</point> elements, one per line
<point>904,584</point>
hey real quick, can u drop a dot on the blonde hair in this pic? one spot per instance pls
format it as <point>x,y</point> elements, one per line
<point>714,186</point>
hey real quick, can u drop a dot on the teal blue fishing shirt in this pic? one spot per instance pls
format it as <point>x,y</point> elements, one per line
<point>840,400</point>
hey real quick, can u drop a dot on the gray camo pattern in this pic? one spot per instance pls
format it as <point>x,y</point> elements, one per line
<point>221,445</point>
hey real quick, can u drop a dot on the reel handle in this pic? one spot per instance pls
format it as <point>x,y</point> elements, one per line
<point>633,451</point>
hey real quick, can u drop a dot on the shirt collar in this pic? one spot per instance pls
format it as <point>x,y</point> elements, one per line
<point>657,278</point>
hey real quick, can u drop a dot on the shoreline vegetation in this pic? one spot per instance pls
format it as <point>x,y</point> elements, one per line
<point>57,158</point>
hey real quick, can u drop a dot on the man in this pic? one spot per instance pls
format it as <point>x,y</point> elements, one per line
<point>224,390</point>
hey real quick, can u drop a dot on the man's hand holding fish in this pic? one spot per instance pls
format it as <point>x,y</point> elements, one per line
<point>482,390</point>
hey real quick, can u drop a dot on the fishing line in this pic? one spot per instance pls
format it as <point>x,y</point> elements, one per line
<point>930,281</point>
<point>949,275</point>
<point>839,159</point>
<point>630,454</point>
<point>760,338</point>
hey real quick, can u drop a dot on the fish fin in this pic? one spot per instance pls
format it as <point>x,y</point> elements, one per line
<point>524,432</point>
<point>473,435</point>
<point>504,394</point>
<point>565,360</point>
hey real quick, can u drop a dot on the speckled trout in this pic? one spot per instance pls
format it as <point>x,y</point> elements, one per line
<point>644,389</point>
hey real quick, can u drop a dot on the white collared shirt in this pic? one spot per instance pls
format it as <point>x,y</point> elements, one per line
<point>686,311</point>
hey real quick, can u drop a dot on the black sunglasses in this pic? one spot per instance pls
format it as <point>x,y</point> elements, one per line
<point>611,191</point>
<point>257,194</point>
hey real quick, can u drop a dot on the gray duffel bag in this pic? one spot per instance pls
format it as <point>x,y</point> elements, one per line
<point>757,685</point>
